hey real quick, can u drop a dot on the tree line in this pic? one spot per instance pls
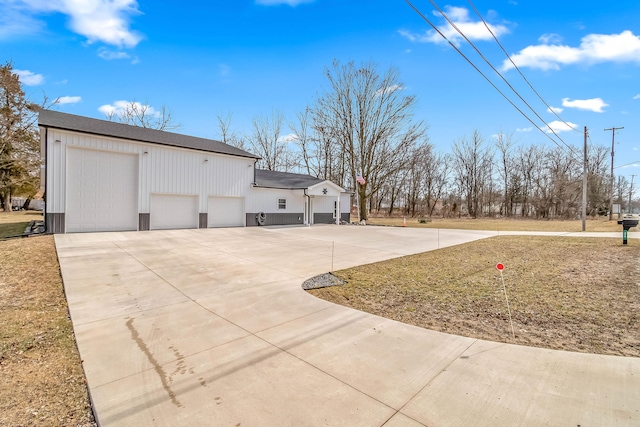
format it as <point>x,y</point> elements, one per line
<point>361,133</point>
<point>363,125</point>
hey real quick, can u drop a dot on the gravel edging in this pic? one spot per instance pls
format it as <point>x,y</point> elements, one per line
<point>322,281</point>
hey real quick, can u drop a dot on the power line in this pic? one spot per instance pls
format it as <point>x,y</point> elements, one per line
<point>613,143</point>
<point>484,76</point>
<point>498,73</point>
<point>627,164</point>
<point>551,109</point>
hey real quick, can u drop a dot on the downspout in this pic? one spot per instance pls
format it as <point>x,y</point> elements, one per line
<point>255,162</point>
<point>307,203</point>
<point>46,181</point>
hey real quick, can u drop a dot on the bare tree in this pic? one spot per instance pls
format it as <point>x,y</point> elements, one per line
<point>366,113</point>
<point>471,161</point>
<point>436,179</point>
<point>266,142</point>
<point>143,115</point>
<point>504,143</point>
<point>308,144</point>
<point>227,135</point>
<point>598,180</point>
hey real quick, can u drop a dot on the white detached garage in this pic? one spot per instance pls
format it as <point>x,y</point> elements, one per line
<point>106,176</point>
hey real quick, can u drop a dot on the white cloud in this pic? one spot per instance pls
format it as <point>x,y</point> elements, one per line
<point>593,49</point>
<point>594,104</point>
<point>29,78</point>
<point>637,96</point>
<point>107,54</point>
<point>120,107</point>
<point>104,21</point>
<point>556,110</point>
<point>474,30</point>
<point>14,22</point>
<point>292,137</point>
<point>292,3</point>
<point>529,129</point>
<point>549,38</point>
<point>389,89</point>
<point>68,100</point>
<point>557,126</point>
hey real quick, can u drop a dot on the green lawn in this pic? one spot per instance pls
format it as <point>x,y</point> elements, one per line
<point>14,223</point>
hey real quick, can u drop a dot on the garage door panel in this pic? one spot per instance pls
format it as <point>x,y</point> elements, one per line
<point>226,212</point>
<point>102,191</point>
<point>173,211</point>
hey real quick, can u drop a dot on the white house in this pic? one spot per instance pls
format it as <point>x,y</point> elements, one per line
<point>104,176</point>
<point>288,198</point>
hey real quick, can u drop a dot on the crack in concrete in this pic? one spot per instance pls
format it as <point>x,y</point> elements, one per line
<point>156,366</point>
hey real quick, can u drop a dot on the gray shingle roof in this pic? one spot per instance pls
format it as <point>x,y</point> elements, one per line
<point>285,180</point>
<point>58,120</point>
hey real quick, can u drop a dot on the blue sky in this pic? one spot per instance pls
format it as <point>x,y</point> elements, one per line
<point>251,57</point>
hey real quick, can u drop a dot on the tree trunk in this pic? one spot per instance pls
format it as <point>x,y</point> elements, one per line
<point>362,194</point>
<point>6,202</point>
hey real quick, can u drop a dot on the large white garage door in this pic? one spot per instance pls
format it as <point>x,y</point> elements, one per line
<point>102,191</point>
<point>172,211</point>
<point>226,212</point>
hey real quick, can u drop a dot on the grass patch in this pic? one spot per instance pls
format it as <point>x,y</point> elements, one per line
<point>14,223</point>
<point>578,294</point>
<point>510,224</point>
<point>42,378</point>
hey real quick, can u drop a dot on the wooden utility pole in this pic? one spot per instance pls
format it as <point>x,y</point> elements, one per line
<point>584,184</point>
<point>613,140</point>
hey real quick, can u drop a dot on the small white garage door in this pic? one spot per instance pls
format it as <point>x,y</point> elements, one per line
<point>226,212</point>
<point>102,191</point>
<point>172,211</point>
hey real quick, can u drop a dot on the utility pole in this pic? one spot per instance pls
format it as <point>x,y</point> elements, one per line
<point>613,140</point>
<point>584,184</point>
<point>630,192</point>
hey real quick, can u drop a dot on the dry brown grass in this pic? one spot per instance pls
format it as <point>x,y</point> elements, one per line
<point>510,224</point>
<point>575,294</point>
<point>42,378</point>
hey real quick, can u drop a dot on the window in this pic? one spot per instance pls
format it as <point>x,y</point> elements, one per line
<point>282,203</point>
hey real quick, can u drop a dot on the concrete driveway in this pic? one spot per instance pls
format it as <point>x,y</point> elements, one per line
<point>211,327</point>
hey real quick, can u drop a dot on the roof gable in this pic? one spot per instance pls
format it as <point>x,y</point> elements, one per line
<point>64,121</point>
<point>284,180</point>
<point>321,188</point>
<point>292,181</point>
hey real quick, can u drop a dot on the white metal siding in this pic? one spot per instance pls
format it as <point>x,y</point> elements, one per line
<point>226,212</point>
<point>162,169</point>
<point>172,211</point>
<point>345,203</point>
<point>102,191</point>
<point>266,200</point>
